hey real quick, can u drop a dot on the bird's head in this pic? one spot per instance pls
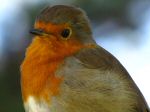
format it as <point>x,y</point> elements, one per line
<point>62,28</point>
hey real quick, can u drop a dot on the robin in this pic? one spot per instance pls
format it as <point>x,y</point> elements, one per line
<point>64,70</point>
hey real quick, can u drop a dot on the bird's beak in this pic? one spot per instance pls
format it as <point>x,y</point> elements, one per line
<point>38,32</point>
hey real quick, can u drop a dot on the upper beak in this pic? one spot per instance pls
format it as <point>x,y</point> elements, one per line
<point>38,32</point>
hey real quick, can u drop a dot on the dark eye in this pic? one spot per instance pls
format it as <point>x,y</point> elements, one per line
<point>66,33</point>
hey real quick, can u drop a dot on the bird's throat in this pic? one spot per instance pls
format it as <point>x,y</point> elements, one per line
<point>39,66</point>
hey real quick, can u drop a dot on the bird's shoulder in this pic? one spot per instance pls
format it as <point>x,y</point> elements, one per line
<point>97,57</point>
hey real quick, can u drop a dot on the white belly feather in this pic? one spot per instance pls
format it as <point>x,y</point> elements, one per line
<point>34,106</point>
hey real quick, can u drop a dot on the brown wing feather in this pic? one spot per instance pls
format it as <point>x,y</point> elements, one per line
<point>101,59</point>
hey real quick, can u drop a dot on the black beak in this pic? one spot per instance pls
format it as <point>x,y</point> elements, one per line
<point>37,32</point>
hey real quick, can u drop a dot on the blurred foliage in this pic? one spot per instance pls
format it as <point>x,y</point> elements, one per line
<point>102,9</point>
<point>10,85</point>
<point>10,94</point>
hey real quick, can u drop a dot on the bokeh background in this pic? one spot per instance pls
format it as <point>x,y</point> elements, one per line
<point>120,26</point>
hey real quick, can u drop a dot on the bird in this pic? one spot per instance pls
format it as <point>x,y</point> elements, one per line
<point>65,70</point>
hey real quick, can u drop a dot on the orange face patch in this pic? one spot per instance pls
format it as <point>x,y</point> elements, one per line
<point>50,27</point>
<point>43,57</point>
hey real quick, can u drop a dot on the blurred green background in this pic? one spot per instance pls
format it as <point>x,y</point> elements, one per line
<point>120,26</point>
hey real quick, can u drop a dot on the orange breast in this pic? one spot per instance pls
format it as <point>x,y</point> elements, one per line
<point>43,57</point>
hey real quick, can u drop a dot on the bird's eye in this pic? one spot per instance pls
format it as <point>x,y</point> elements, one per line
<point>66,33</point>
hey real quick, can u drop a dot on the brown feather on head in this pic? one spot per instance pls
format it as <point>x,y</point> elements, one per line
<point>75,17</point>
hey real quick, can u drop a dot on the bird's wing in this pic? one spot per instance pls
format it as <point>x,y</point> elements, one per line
<point>99,59</point>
